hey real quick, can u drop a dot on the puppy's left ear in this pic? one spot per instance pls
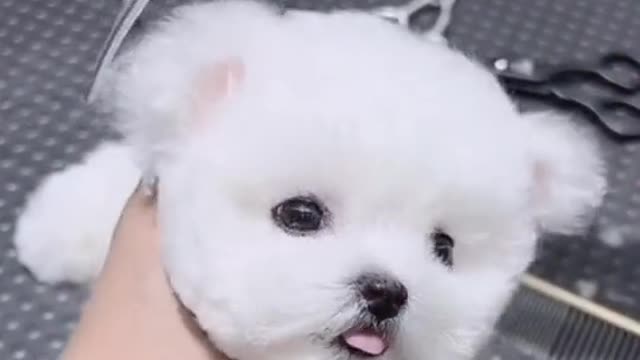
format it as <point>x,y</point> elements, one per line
<point>568,173</point>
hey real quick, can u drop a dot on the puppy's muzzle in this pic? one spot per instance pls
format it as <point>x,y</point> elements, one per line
<point>384,296</point>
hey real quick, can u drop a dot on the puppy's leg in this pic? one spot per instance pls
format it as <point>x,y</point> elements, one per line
<point>64,232</point>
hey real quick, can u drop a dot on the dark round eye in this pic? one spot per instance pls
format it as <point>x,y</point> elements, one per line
<point>299,215</point>
<point>443,247</point>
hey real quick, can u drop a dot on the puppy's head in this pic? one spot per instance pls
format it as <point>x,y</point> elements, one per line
<point>332,187</point>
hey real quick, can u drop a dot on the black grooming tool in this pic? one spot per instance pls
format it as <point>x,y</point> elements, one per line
<point>614,105</point>
<point>530,71</point>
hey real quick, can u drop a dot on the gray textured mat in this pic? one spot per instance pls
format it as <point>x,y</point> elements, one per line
<point>46,53</point>
<point>47,49</point>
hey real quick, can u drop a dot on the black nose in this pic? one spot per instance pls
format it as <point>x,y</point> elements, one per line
<point>384,295</point>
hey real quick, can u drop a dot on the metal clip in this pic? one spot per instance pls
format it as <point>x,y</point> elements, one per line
<point>403,15</point>
<point>129,13</point>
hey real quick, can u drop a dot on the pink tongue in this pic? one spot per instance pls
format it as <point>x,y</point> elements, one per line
<point>369,343</point>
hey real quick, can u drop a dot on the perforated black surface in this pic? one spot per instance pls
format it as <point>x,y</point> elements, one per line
<point>47,49</point>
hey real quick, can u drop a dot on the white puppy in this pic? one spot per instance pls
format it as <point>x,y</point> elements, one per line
<point>332,186</point>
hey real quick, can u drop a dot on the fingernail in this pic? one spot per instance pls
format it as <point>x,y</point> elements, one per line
<point>149,186</point>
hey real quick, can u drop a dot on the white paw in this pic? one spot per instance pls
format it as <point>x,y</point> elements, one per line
<point>64,232</point>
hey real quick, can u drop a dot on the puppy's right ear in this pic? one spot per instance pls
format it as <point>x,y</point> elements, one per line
<point>172,79</point>
<point>158,103</point>
<point>215,83</point>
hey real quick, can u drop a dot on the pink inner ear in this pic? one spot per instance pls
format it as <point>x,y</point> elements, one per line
<point>540,182</point>
<point>216,83</point>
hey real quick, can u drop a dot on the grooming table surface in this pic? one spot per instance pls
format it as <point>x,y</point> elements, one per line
<point>47,50</point>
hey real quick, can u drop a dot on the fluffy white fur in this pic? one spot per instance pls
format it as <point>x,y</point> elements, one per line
<point>396,136</point>
<point>63,234</point>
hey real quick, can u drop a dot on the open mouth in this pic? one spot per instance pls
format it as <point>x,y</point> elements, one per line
<point>367,343</point>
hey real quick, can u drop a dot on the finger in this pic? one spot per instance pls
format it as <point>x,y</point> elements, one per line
<point>143,195</point>
<point>138,211</point>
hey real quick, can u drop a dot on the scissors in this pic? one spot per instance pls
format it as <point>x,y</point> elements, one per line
<point>404,15</point>
<point>615,107</point>
<point>600,70</point>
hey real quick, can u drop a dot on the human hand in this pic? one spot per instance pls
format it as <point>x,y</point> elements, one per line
<point>132,312</point>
